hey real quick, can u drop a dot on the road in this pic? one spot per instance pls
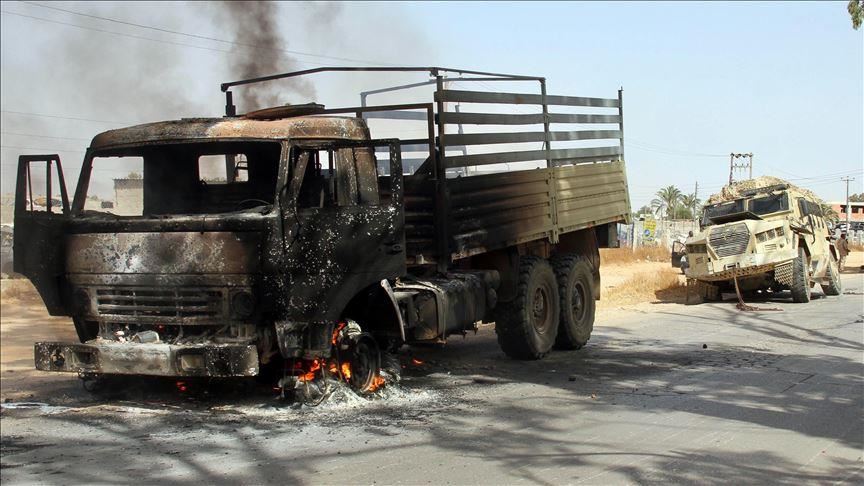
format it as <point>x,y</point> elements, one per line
<point>663,393</point>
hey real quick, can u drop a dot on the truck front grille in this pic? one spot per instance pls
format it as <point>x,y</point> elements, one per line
<point>160,303</point>
<point>730,240</point>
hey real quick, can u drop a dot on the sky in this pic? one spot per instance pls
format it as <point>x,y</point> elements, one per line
<point>784,81</point>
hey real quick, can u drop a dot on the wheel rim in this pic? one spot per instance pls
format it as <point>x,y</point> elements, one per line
<point>540,310</point>
<point>365,362</point>
<point>577,302</point>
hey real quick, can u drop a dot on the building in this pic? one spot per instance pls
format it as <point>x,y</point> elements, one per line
<point>128,197</point>
<point>856,214</point>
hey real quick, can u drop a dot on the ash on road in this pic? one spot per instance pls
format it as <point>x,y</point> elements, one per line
<point>662,393</point>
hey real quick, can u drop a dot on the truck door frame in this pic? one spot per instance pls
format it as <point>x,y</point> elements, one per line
<point>38,243</point>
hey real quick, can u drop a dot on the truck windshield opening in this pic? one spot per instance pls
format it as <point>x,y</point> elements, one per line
<point>189,178</point>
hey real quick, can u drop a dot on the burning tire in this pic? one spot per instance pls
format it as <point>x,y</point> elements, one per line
<point>364,358</point>
<point>800,279</point>
<point>527,326</point>
<point>576,296</point>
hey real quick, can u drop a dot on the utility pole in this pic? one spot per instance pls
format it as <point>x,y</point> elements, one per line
<point>695,201</point>
<point>742,165</point>
<point>848,209</point>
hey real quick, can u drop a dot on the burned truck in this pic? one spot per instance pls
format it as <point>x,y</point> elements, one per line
<point>322,248</point>
<point>763,235</point>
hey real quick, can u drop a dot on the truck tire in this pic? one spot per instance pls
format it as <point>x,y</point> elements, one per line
<point>800,279</point>
<point>526,327</point>
<point>576,297</point>
<point>833,286</point>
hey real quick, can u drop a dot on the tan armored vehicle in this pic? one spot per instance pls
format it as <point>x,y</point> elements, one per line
<point>767,234</point>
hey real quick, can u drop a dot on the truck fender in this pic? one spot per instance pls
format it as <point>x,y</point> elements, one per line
<point>376,309</point>
<point>392,297</point>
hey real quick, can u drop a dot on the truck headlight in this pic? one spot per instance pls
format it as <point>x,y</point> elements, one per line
<point>242,304</point>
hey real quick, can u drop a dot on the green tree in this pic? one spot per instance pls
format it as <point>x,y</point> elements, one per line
<point>683,212</point>
<point>857,197</point>
<point>829,213</point>
<point>856,11</point>
<point>668,198</point>
<point>691,202</point>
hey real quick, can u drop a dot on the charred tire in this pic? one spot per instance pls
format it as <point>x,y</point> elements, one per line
<point>527,326</point>
<point>833,286</point>
<point>576,297</point>
<point>800,279</point>
<point>365,359</point>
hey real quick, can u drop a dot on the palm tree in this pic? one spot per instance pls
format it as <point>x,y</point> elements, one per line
<point>691,202</point>
<point>668,198</point>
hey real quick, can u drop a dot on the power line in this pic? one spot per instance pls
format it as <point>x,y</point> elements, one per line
<point>65,117</point>
<point>203,37</point>
<point>42,136</point>
<point>41,149</point>
<point>132,36</point>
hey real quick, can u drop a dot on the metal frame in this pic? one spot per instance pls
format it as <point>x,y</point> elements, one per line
<point>441,162</point>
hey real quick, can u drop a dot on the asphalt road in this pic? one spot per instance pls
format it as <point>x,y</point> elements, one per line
<point>666,393</point>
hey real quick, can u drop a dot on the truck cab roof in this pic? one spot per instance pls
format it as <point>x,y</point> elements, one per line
<point>233,128</point>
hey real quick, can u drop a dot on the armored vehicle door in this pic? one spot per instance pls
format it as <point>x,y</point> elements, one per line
<point>678,251</point>
<point>344,222</point>
<point>41,212</point>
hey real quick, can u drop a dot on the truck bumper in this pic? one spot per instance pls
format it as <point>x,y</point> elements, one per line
<point>151,359</point>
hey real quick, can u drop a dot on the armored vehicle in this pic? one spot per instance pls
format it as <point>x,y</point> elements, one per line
<point>768,236</point>
<point>320,247</point>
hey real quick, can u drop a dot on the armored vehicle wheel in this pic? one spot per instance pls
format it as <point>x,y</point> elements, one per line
<point>800,278</point>
<point>576,297</point>
<point>527,326</point>
<point>833,286</point>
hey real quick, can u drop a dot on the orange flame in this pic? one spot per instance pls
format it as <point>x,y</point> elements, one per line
<point>310,375</point>
<point>336,368</point>
<point>416,361</point>
<point>377,383</point>
<point>336,332</point>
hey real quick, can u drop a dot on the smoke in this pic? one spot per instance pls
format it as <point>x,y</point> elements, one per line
<point>255,27</point>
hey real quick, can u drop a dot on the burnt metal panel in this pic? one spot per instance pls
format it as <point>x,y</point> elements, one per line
<point>522,99</point>
<point>467,118</point>
<point>583,154</point>
<point>521,137</point>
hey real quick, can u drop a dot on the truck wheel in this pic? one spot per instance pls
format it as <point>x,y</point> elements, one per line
<point>528,325</point>
<point>800,279</point>
<point>833,286</point>
<point>576,296</point>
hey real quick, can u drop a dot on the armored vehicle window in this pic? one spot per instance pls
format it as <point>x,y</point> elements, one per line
<point>809,207</point>
<point>722,209</point>
<point>769,204</point>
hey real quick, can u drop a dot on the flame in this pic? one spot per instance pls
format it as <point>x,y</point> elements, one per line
<point>416,362</point>
<point>336,332</point>
<point>343,370</point>
<point>377,383</point>
<point>310,375</point>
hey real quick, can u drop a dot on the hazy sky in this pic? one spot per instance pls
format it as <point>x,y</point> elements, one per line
<point>782,80</point>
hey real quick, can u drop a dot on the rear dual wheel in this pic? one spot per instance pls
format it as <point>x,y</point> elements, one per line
<point>527,326</point>
<point>576,292</point>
